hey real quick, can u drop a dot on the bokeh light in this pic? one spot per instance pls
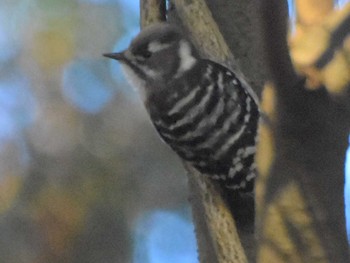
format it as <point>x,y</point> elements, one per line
<point>17,106</point>
<point>85,87</point>
<point>8,45</point>
<point>341,3</point>
<point>165,236</point>
<point>75,143</point>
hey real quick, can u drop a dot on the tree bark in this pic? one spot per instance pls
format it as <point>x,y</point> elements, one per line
<point>302,144</point>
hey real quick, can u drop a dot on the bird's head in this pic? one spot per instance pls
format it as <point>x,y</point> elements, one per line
<point>159,53</point>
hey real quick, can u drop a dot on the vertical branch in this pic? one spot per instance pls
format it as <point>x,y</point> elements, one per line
<point>274,23</point>
<point>304,134</point>
<point>152,11</point>
<point>217,237</point>
<point>203,31</point>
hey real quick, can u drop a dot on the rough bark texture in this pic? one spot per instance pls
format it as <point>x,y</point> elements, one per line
<point>217,237</point>
<point>152,11</point>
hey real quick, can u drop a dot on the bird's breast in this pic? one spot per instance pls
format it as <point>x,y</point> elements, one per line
<point>135,81</point>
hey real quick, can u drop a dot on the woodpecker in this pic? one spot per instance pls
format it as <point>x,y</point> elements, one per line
<point>201,109</point>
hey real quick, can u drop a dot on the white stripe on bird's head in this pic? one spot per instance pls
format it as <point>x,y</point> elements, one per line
<point>187,60</point>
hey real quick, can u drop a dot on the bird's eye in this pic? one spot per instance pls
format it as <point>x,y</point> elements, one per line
<point>147,54</point>
<point>142,56</point>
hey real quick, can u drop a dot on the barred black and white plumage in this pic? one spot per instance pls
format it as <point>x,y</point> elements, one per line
<point>200,108</point>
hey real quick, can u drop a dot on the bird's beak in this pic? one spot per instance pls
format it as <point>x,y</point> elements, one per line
<point>116,56</point>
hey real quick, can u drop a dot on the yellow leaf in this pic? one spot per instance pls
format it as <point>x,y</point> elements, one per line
<point>53,47</point>
<point>312,12</point>
<point>9,188</point>
<point>321,52</point>
<point>337,73</point>
<point>308,44</point>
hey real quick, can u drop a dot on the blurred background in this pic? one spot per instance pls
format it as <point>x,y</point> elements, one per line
<point>83,175</point>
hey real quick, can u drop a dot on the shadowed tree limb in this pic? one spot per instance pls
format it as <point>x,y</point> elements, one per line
<point>301,154</point>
